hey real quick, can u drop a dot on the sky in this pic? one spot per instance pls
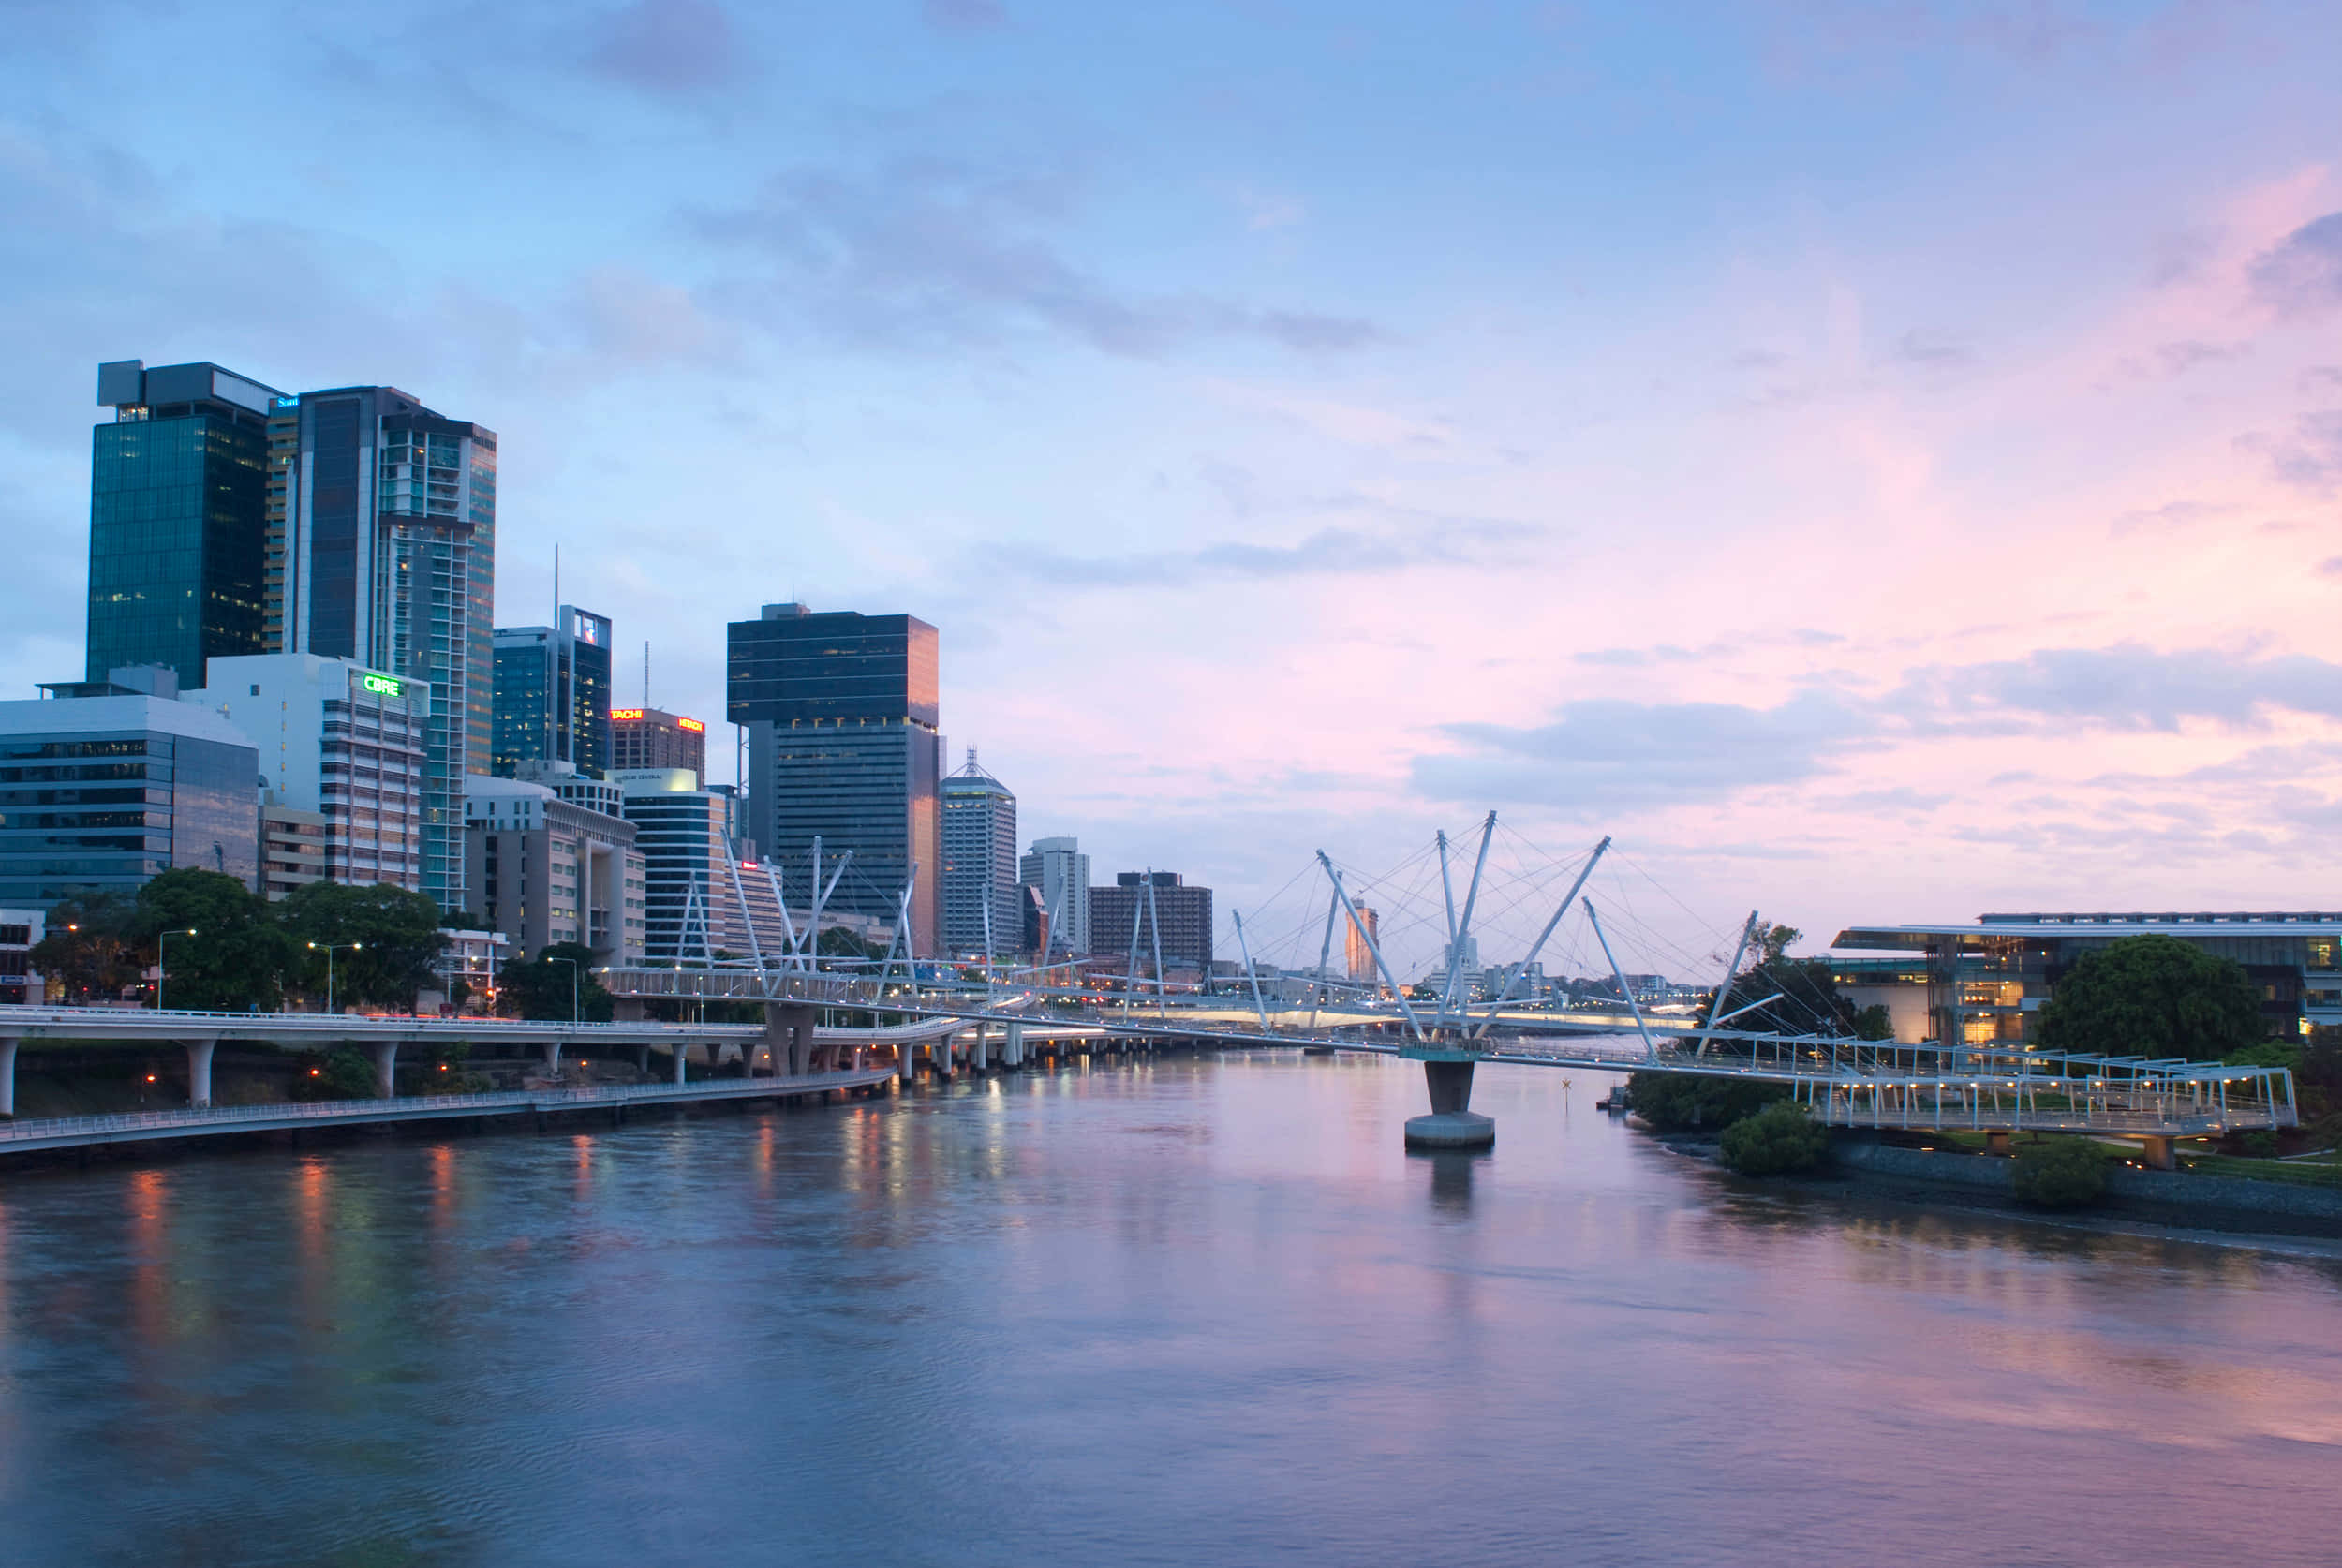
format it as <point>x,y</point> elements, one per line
<point>1879,463</point>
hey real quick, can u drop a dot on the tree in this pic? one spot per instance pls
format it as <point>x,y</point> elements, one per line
<point>1679,1101</point>
<point>1777,1139</point>
<point>1874,1022</point>
<point>398,932</point>
<point>2060,1172</point>
<point>235,961</point>
<point>2154,996</point>
<point>539,988</point>
<point>88,947</point>
<point>1772,939</point>
<point>340,1073</point>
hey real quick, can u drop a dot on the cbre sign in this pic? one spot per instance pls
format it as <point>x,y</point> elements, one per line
<point>384,685</point>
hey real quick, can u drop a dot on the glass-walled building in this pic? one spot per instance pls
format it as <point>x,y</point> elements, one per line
<point>655,738</point>
<point>178,517</point>
<point>981,898</point>
<point>841,710</point>
<point>101,793</point>
<point>1985,983</point>
<point>552,694</point>
<point>382,551</point>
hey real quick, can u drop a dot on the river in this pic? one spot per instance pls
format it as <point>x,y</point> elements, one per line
<point>1194,1311</point>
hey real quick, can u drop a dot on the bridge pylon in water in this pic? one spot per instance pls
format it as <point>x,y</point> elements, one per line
<point>1452,1122</point>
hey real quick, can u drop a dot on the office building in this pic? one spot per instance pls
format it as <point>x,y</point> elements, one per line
<point>342,760</point>
<point>1357,952</point>
<point>548,870</point>
<point>177,517</point>
<point>652,738</point>
<point>21,931</point>
<point>1985,982</point>
<point>1058,873</point>
<point>102,792</point>
<point>1153,904</point>
<point>475,959</point>
<point>841,712</point>
<point>692,912</point>
<point>980,910</point>
<point>552,697</point>
<point>381,550</point>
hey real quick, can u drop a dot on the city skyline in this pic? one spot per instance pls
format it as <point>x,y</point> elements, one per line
<point>2004,537</point>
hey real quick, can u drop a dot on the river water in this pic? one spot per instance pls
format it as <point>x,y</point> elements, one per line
<point>1189,1312</point>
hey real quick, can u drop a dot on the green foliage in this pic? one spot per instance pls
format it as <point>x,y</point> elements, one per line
<point>1772,939</point>
<point>541,987</point>
<point>1790,996</point>
<point>2154,996</point>
<point>89,947</point>
<point>1677,1101</point>
<point>837,942</point>
<point>236,959</point>
<point>1777,1139</point>
<point>2259,1145</point>
<point>1874,1023</point>
<point>399,932</point>
<point>2061,1172</point>
<point>340,1073</point>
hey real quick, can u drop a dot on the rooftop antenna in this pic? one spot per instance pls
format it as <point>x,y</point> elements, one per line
<point>646,672</point>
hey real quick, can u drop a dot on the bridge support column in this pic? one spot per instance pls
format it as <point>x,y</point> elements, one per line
<point>788,1033</point>
<point>979,1057</point>
<point>385,1070</point>
<point>642,1060</point>
<point>1453,1123</point>
<point>553,1059</point>
<point>2158,1154</point>
<point>1013,1048</point>
<point>682,1054</point>
<point>1996,1142</point>
<point>199,1071</point>
<point>8,1077</point>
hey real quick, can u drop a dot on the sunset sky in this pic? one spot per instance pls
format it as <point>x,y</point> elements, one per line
<point>1879,462</point>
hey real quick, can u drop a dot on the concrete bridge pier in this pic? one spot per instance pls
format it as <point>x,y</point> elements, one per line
<point>642,1060</point>
<point>2157,1153</point>
<point>1013,1047</point>
<point>385,1070</point>
<point>1453,1123</point>
<point>682,1054</point>
<point>553,1059</point>
<point>788,1034</point>
<point>8,1077</point>
<point>979,1056</point>
<point>199,1071</point>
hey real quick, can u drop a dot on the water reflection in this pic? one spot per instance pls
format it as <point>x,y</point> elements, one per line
<point>1092,1300</point>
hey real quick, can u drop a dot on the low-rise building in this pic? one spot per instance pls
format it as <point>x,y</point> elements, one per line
<point>21,931</point>
<point>548,870</point>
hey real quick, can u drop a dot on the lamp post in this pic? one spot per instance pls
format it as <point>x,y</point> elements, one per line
<point>329,949</point>
<point>161,938</point>
<point>572,964</point>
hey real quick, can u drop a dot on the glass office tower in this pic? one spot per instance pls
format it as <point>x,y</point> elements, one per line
<point>382,549</point>
<point>980,890</point>
<point>552,694</point>
<point>177,518</point>
<point>841,710</point>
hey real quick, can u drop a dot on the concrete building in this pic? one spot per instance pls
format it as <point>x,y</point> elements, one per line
<point>548,870</point>
<point>476,958</point>
<point>178,519</point>
<point>21,931</point>
<point>1357,954</point>
<point>980,896</point>
<point>1984,984</point>
<point>381,550</point>
<point>1151,903</point>
<point>103,792</point>
<point>841,713</point>
<point>652,738</point>
<point>1058,873</point>
<point>552,694</point>
<point>338,742</point>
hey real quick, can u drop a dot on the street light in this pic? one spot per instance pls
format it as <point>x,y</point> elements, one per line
<point>572,964</point>
<point>329,949</point>
<point>160,937</point>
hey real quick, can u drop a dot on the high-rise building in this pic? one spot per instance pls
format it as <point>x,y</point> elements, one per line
<point>1149,904</point>
<point>103,792</point>
<point>552,695</point>
<point>545,869</point>
<point>654,738</point>
<point>1058,872</point>
<point>981,908</point>
<point>178,518</point>
<point>338,740</point>
<point>1357,955</point>
<point>382,551</point>
<point>841,711</point>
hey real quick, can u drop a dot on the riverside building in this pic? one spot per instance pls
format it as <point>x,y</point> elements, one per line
<point>980,896</point>
<point>655,738</point>
<point>1157,904</point>
<point>1059,874</point>
<point>550,870</point>
<point>841,710</point>
<point>552,694</point>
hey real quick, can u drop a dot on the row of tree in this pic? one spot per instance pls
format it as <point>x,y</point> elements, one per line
<point>245,953</point>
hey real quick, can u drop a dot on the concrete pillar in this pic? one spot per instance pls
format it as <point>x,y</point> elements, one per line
<point>682,1054</point>
<point>199,1071</point>
<point>1013,1048</point>
<point>906,1060</point>
<point>2158,1154</point>
<point>1996,1142</point>
<point>642,1059</point>
<point>385,1070</point>
<point>788,1034</point>
<point>8,1077</point>
<point>979,1054</point>
<point>1453,1123</point>
<point>553,1059</point>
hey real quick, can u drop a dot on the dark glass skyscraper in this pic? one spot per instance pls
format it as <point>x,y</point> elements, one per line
<point>553,693</point>
<point>841,710</point>
<point>178,517</point>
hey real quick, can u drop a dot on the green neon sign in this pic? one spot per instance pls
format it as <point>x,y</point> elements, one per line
<point>386,685</point>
